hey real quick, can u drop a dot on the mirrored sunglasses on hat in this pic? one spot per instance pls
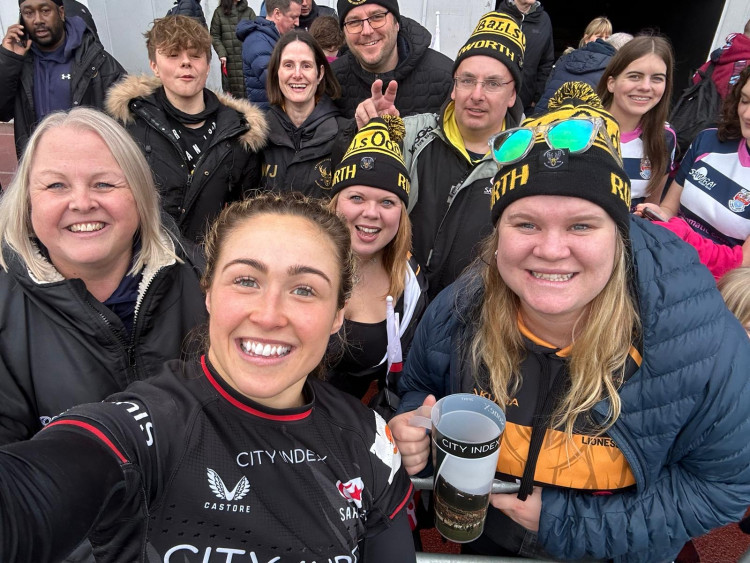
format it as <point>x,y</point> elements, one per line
<point>576,134</point>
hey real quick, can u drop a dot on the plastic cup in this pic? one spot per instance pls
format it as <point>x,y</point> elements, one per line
<point>466,431</point>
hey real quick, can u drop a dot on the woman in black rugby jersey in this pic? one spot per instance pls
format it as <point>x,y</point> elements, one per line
<point>242,451</point>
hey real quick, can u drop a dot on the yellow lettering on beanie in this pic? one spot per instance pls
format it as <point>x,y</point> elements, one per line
<point>403,183</point>
<point>486,44</point>
<point>620,188</point>
<point>345,173</point>
<point>375,140</point>
<point>503,26</point>
<point>509,181</point>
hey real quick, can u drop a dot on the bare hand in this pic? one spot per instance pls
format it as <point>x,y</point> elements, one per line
<point>746,252</point>
<point>12,40</point>
<point>662,214</point>
<point>523,512</point>
<point>379,103</point>
<point>412,441</point>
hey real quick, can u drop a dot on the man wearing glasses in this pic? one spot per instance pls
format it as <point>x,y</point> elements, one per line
<point>384,45</point>
<point>447,153</point>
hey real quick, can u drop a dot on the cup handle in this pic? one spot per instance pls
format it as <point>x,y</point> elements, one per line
<point>422,418</point>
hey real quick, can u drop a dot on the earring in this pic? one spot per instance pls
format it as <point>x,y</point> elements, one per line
<point>496,255</point>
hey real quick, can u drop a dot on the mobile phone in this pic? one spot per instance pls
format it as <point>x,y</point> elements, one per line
<point>24,39</point>
<point>652,215</point>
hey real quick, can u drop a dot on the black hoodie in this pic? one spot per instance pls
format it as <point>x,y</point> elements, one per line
<point>540,50</point>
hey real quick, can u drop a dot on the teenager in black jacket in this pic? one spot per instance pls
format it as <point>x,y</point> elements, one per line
<point>202,147</point>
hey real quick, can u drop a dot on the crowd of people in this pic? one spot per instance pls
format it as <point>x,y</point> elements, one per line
<point>223,280</point>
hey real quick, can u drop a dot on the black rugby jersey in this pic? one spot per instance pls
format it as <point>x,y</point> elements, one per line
<point>212,476</point>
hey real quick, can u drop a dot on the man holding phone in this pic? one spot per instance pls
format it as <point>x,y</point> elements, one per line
<point>49,62</point>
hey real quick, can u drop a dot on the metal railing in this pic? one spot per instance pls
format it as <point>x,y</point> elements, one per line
<point>425,484</point>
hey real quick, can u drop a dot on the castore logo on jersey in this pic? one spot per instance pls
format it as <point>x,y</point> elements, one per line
<point>219,489</point>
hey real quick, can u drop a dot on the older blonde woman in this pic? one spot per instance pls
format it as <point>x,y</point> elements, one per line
<point>95,292</point>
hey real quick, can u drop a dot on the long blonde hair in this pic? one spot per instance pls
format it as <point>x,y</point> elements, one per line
<point>598,354</point>
<point>395,252</point>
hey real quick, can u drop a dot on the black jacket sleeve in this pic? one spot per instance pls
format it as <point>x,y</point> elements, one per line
<point>52,491</point>
<point>394,544</point>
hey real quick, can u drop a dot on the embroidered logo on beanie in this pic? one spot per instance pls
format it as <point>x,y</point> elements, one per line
<point>590,169</point>
<point>374,159</point>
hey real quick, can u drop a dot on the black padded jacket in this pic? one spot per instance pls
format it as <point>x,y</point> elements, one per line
<point>424,76</point>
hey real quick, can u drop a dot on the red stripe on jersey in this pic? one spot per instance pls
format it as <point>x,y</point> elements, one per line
<point>251,410</point>
<point>95,431</point>
<point>407,498</point>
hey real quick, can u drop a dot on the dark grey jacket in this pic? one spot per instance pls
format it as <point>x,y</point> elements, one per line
<point>226,44</point>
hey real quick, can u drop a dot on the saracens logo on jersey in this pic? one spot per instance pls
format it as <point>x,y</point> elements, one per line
<point>219,489</point>
<point>352,490</point>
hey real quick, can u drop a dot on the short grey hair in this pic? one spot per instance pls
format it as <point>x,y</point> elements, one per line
<point>618,39</point>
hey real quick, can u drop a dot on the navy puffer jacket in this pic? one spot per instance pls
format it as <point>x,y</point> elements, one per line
<point>259,37</point>
<point>685,413</point>
<point>586,64</point>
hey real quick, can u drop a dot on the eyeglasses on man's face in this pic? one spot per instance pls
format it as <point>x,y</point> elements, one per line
<point>376,21</point>
<point>491,86</point>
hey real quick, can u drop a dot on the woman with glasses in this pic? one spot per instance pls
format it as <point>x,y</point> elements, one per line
<point>242,453</point>
<point>636,88</point>
<point>622,374</point>
<point>371,193</point>
<point>711,190</point>
<point>303,121</point>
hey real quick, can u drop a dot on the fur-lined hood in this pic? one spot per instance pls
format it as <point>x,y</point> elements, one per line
<point>131,87</point>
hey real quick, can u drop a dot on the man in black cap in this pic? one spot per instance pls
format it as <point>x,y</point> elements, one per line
<point>447,154</point>
<point>384,44</point>
<point>49,62</point>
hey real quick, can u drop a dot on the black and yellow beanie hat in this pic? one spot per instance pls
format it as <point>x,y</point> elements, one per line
<point>595,174</point>
<point>343,7</point>
<point>499,36</point>
<point>374,159</point>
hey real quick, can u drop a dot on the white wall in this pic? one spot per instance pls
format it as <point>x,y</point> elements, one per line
<point>121,24</point>
<point>736,13</point>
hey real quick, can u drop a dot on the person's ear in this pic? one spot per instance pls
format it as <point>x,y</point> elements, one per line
<point>338,320</point>
<point>154,68</point>
<point>611,84</point>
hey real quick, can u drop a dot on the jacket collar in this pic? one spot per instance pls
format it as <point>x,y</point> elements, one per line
<point>131,87</point>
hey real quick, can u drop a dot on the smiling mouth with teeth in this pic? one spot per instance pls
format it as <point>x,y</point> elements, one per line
<point>552,277</point>
<point>264,350</point>
<point>86,227</point>
<point>368,230</point>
